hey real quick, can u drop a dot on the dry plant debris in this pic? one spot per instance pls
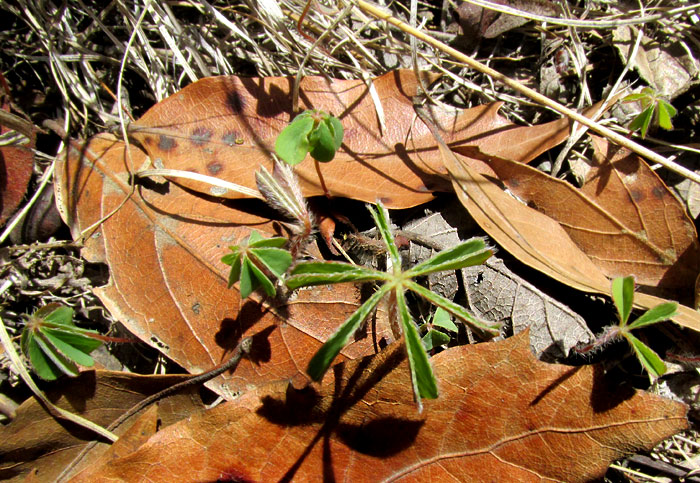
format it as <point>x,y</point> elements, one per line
<point>68,62</point>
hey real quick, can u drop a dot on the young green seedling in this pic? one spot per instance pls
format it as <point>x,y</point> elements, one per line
<point>252,258</point>
<point>394,282</point>
<point>654,108</point>
<point>54,345</point>
<point>312,132</point>
<point>623,298</point>
<point>435,338</point>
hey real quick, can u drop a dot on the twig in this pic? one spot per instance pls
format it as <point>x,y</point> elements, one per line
<point>223,184</point>
<point>532,94</point>
<point>242,348</point>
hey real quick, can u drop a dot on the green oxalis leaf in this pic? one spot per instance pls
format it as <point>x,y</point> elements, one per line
<point>623,298</point>
<point>396,282</point>
<point>252,257</point>
<point>654,108</point>
<point>311,132</point>
<point>434,338</point>
<point>55,345</point>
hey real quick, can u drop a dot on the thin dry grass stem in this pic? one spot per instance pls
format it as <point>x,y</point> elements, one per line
<point>220,183</point>
<point>603,23</point>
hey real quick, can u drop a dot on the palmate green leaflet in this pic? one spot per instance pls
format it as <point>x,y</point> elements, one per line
<point>55,345</point>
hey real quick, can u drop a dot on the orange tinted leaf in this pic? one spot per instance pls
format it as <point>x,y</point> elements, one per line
<point>624,217</point>
<point>500,410</point>
<point>35,439</point>
<point>227,126</point>
<point>168,285</point>
<point>532,237</point>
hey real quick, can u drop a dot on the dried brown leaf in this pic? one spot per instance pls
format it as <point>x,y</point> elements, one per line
<point>227,126</point>
<point>624,217</point>
<point>496,294</point>
<point>666,65</point>
<point>168,285</point>
<point>502,416</point>
<point>36,440</point>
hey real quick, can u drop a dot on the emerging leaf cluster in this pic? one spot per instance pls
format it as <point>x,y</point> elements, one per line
<point>54,345</point>
<point>395,283</point>
<point>623,297</point>
<point>311,132</point>
<point>254,259</point>
<point>654,109</point>
<point>434,338</point>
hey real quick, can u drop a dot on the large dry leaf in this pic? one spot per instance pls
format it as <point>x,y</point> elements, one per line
<point>502,416</point>
<point>536,239</point>
<point>624,217</point>
<point>226,127</point>
<point>36,440</point>
<point>168,285</point>
<point>164,245</point>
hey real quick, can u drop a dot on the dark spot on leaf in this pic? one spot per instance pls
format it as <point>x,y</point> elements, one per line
<point>233,474</point>
<point>148,140</point>
<point>166,143</point>
<point>637,195</point>
<point>235,102</point>
<point>159,343</point>
<point>513,182</point>
<point>196,307</point>
<point>658,193</point>
<point>214,167</point>
<point>385,201</point>
<point>200,136</point>
<point>232,138</point>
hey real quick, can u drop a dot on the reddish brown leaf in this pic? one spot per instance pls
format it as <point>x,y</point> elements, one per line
<point>530,236</point>
<point>131,440</point>
<point>226,127</point>
<point>168,284</point>
<point>502,416</point>
<point>36,440</point>
<point>624,217</point>
<point>16,167</point>
<point>534,238</point>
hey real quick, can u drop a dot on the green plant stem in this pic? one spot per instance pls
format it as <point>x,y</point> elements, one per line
<point>530,93</point>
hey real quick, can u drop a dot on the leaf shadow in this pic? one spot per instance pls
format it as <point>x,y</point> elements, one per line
<point>231,332</point>
<point>607,394</point>
<point>381,436</point>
